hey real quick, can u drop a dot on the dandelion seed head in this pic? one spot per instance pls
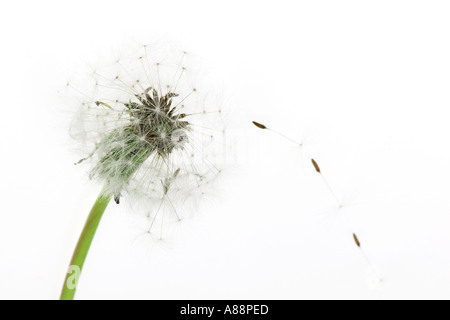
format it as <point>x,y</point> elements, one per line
<point>146,128</point>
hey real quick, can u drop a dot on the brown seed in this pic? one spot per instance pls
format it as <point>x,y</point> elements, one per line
<point>259,125</point>
<point>357,241</point>
<point>316,166</point>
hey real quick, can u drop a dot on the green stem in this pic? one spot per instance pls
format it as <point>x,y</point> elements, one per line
<point>82,248</point>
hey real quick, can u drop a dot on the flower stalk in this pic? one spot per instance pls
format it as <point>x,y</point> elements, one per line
<point>83,246</point>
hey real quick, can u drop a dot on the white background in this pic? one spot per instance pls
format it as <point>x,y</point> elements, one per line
<point>363,84</point>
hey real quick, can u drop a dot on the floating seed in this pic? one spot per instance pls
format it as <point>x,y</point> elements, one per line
<point>357,241</point>
<point>316,166</point>
<point>259,125</point>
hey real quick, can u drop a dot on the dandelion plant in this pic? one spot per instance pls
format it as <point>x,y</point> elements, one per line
<point>148,133</point>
